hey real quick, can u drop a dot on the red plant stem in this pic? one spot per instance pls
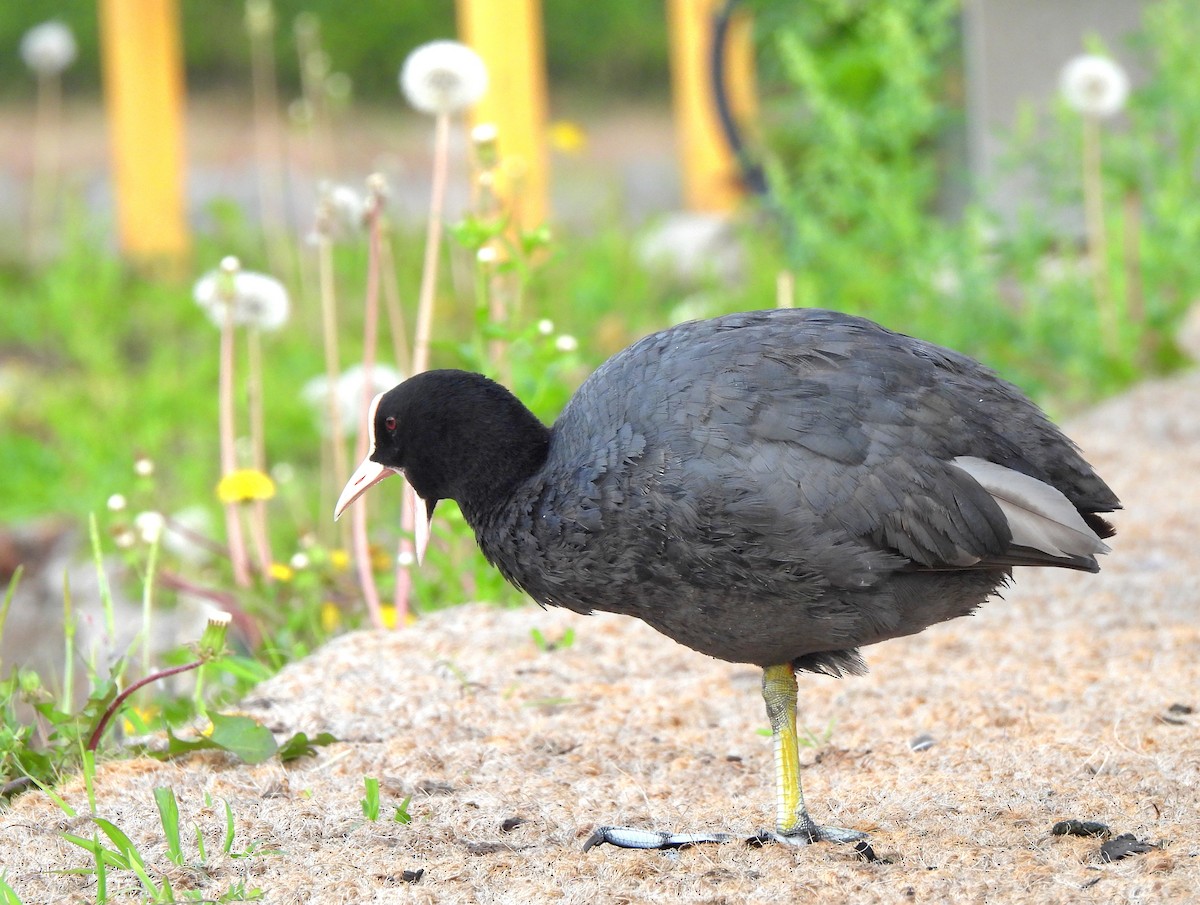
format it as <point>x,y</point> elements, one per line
<point>120,699</point>
<point>233,526</point>
<point>362,551</point>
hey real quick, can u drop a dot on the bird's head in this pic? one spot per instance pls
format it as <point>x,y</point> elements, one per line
<point>453,435</point>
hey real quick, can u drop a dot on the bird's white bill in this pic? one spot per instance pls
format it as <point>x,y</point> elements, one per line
<point>367,475</point>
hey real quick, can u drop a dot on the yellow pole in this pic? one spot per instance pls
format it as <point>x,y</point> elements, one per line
<point>711,178</point>
<point>143,89</point>
<point>508,35</point>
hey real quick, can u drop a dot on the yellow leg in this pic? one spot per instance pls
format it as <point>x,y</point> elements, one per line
<point>792,821</point>
<point>779,693</point>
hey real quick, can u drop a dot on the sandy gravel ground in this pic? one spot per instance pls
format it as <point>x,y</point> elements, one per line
<point>1055,703</point>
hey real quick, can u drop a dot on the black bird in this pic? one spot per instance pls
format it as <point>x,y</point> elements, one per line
<point>776,487</point>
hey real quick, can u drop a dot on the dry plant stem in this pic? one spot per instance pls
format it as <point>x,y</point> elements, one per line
<point>258,513</point>
<point>312,84</point>
<point>361,545</point>
<point>233,525</point>
<point>47,135</point>
<point>120,699</point>
<point>433,239</point>
<point>1093,205</point>
<point>267,148</point>
<point>333,368</point>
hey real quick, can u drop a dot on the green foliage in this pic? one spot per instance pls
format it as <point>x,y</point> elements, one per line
<point>117,852</point>
<point>855,113</point>
<point>620,45</point>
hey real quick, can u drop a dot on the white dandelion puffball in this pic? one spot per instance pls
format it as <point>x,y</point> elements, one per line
<point>349,394</point>
<point>443,77</point>
<point>256,300</point>
<point>48,48</point>
<point>1094,85</point>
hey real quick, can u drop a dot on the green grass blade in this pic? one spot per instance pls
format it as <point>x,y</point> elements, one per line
<point>8,597</point>
<point>168,812</point>
<point>8,895</point>
<point>68,689</point>
<point>370,804</point>
<point>200,849</point>
<point>230,831</point>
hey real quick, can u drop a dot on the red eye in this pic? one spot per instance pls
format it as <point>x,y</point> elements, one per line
<point>390,423</point>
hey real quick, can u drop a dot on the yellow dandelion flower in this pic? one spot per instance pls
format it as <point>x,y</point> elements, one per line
<point>280,572</point>
<point>143,716</point>
<point>244,485</point>
<point>567,136</point>
<point>339,559</point>
<point>387,613</point>
<point>331,616</point>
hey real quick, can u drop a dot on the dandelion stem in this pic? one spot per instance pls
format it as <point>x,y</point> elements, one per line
<point>433,236</point>
<point>47,141</point>
<point>148,601</point>
<point>397,324</point>
<point>254,392</point>
<point>1093,203</point>
<point>233,525</point>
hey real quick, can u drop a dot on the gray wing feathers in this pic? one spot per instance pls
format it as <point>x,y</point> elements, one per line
<point>1039,515</point>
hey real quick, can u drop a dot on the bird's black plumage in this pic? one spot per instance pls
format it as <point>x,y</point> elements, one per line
<point>779,488</point>
<point>768,487</point>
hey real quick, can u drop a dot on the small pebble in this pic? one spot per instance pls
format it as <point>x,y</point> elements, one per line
<point>922,742</point>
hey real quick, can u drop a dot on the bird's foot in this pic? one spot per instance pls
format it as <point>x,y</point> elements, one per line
<point>837,834</point>
<point>628,837</point>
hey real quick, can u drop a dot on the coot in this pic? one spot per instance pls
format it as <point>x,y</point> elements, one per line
<point>777,487</point>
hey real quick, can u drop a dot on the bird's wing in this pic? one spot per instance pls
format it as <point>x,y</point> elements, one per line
<point>879,438</point>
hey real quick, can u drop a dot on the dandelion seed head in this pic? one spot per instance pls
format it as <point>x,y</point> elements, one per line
<point>487,255</point>
<point>566,343</point>
<point>48,48</point>
<point>1094,85</point>
<point>349,394</point>
<point>116,503</point>
<point>143,466</point>
<point>299,561</point>
<point>443,77</point>
<point>256,300</point>
<point>545,326</point>
<point>406,559</point>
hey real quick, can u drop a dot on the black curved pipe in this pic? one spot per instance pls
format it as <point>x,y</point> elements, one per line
<point>752,173</point>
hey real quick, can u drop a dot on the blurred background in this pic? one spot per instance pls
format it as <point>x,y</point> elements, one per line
<point>1012,178</point>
